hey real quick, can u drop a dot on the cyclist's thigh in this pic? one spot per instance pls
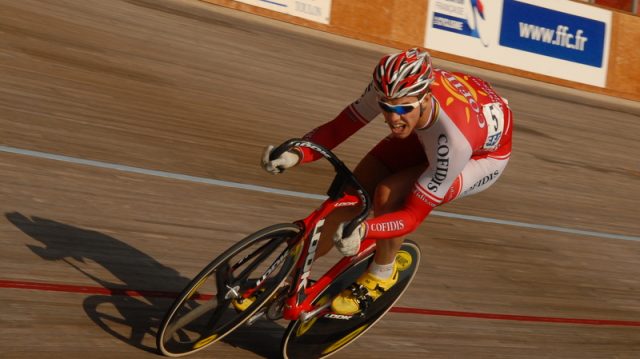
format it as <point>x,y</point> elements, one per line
<point>479,174</point>
<point>392,192</point>
<point>389,156</point>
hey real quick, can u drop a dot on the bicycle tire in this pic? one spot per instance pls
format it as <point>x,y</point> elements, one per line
<point>325,335</point>
<point>198,318</point>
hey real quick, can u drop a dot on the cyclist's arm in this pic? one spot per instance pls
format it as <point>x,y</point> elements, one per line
<point>351,119</point>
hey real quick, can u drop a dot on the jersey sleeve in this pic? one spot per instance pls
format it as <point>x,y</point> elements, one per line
<point>349,121</point>
<point>448,152</point>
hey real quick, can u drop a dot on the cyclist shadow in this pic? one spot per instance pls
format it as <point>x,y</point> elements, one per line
<point>262,338</point>
<point>129,316</point>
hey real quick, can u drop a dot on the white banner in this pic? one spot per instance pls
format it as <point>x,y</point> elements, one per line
<point>314,10</point>
<point>562,39</point>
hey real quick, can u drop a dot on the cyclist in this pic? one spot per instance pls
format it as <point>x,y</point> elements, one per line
<point>450,137</point>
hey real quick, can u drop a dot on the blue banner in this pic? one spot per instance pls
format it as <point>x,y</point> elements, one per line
<point>552,33</point>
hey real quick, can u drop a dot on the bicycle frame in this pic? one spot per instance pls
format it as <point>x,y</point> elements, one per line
<point>298,303</point>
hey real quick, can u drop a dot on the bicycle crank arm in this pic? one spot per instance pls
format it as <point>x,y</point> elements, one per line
<point>305,316</point>
<point>254,318</point>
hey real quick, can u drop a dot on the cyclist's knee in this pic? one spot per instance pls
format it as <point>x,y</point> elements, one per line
<point>385,201</point>
<point>391,193</point>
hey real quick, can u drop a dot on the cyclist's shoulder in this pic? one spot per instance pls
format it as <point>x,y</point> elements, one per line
<point>455,82</point>
<point>366,106</point>
<point>461,92</point>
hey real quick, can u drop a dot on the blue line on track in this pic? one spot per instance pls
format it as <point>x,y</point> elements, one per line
<point>270,190</point>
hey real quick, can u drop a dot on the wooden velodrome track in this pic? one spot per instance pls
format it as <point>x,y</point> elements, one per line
<point>89,249</point>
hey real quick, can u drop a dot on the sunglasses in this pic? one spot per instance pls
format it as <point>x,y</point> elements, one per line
<point>401,109</point>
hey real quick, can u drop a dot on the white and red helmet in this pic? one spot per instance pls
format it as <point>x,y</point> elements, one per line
<point>408,73</point>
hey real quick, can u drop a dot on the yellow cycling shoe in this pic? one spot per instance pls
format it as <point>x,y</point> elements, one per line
<point>363,292</point>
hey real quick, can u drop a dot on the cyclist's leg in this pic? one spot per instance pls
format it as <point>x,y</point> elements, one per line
<point>480,173</point>
<point>405,161</point>
<point>391,194</point>
<point>382,273</point>
<point>369,172</point>
<point>389,156</point>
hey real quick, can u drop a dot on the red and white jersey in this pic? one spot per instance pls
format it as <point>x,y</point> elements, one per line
<point>469,119</point>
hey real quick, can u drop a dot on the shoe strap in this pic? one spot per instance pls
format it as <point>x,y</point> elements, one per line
<point>362,296</point>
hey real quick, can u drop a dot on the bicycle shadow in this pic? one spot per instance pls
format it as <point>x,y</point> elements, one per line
<point>129,316</point>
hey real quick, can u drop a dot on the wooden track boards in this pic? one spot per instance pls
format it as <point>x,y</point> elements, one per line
<point>193,89</point>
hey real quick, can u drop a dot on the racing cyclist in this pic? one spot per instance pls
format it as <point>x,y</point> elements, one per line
<point>450,137</point>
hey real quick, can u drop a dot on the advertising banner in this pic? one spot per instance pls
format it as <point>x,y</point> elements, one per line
<point>563,39</point>
<point>314,10</point>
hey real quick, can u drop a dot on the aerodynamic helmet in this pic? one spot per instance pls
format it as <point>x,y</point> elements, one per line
<point>408,73</point>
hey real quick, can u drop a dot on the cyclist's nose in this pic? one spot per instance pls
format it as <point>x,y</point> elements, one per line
<point>391,116</point>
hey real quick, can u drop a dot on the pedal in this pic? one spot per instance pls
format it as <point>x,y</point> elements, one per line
<point>362,295</point>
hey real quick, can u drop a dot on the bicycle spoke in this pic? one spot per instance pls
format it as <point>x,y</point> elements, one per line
<point>223,276</point>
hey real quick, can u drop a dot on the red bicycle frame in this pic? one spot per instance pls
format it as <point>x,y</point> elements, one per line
<point>301,294</point>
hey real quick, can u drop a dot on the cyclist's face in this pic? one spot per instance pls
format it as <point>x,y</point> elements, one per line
<point>402,120</point>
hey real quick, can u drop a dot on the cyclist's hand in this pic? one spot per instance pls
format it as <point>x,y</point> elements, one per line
<point>286,160</point>
<point>349,246</point>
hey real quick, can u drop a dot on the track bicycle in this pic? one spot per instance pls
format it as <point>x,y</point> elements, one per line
<point>271,270</point>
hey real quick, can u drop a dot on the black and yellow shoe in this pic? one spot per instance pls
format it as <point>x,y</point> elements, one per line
<point>363,292</point>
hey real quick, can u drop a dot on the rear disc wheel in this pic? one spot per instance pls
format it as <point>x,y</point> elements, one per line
<point>327,333</point>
